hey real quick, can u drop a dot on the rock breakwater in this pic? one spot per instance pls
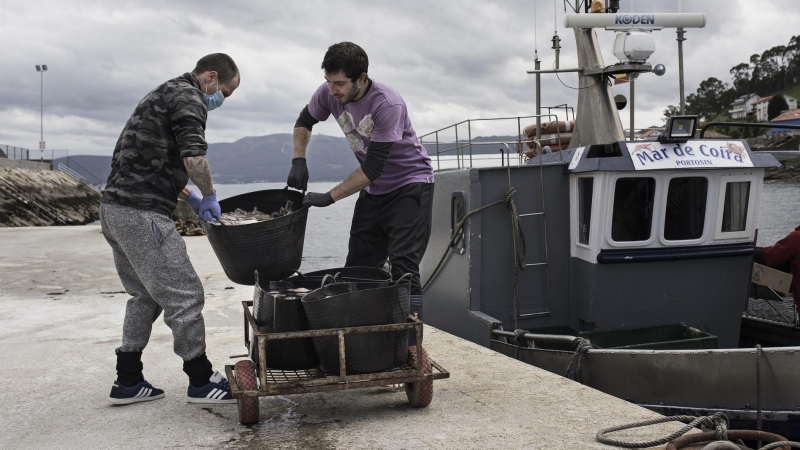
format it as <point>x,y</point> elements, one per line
<point>45,197</point>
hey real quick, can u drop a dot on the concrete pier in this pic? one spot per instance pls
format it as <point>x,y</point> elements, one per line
<point>61,312</point>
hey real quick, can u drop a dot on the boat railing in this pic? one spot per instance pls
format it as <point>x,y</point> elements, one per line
<point>464,156</point>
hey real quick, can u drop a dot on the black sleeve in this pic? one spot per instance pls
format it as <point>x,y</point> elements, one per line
<point>758,257</point>
<point>306,120</point>
<point>377,154</point>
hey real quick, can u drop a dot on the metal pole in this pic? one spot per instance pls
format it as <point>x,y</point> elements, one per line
<point>632,103</point>
<point>438,166</point>
<point>41,115</point>
<point>680,40</point>
<point>556,39</point>
<point>538,99</point>
<point>458,157</point>
<point>469,136</point>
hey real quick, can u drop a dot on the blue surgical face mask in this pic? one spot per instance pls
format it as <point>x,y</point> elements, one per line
<point>214,100</point>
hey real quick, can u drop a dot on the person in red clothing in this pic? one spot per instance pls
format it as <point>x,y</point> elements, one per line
<point>785,256</point>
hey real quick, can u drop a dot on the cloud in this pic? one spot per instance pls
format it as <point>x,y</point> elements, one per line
<point>451,60</point>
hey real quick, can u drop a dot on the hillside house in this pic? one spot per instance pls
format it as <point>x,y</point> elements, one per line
<point>743,106</point>
<point>789,117</point>
<point>762,104</point>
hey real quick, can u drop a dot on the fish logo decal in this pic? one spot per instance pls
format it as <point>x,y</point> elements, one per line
<point>641,147</point>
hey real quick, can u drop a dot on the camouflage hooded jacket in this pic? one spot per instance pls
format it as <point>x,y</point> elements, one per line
<point>147,170</point>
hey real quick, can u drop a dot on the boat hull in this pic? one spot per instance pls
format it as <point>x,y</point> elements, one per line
<point>689,381</point>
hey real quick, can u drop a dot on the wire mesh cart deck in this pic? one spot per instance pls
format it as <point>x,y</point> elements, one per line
<point>250,381</point>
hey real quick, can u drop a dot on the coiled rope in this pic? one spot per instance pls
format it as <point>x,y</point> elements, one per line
<point>717,421</point>
<point>781,444</point>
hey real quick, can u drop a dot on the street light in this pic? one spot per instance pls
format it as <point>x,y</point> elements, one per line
<point>41,69</point>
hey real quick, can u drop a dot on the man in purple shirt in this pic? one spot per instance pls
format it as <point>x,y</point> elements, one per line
<point>392,217</point>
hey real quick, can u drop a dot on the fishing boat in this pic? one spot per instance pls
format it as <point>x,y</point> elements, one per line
<point>624,265</point>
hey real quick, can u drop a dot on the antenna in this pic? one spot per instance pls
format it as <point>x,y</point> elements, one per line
<point>556,40</point>
<point>535,31</point>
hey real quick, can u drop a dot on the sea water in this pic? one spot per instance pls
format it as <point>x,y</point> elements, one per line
<point>328,229</point>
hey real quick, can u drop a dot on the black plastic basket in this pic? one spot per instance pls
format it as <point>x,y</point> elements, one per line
<point>270,247</point>
<point>313,280</point>
<point>357,304</point>
<point>280,314</point>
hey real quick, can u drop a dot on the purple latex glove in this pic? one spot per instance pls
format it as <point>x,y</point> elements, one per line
<point>209,208</point>
<point>194,202</point>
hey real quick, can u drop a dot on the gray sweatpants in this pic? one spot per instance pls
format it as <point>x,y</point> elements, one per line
<point>155,270</point>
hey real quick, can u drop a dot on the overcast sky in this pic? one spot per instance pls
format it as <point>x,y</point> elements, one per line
<point>451,60</point>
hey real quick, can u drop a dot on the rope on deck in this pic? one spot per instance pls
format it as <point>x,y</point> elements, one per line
<point>781,444</point>
<point>718,421</point>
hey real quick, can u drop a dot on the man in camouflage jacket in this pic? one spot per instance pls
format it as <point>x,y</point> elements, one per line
<point>160,149</point>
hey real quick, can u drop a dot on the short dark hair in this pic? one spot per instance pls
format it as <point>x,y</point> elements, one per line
<point>347,57</point>
<point>218,62</point>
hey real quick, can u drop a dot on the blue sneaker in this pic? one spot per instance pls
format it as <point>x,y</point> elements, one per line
<point>141,392</point>
<point>217,390</point>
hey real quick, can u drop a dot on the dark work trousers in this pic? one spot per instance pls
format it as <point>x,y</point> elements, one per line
<point>396,226</point>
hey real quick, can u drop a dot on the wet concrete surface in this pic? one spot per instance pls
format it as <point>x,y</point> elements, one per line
<point>61,312</point>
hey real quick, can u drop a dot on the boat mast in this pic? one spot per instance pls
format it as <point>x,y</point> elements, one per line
<point>596,117</point>
<point>537,65</point>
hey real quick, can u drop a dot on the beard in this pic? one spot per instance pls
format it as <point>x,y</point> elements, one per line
<point>349,96</point>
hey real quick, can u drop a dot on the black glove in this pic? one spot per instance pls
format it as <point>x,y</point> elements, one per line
<point>298,176</point>
<point>318,200</point>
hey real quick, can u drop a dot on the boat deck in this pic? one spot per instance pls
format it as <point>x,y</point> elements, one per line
<point>61,312</point>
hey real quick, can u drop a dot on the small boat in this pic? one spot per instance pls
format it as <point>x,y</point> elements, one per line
<point>625,265</point>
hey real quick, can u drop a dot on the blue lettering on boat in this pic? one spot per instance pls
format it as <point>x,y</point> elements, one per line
<point>644,158</point>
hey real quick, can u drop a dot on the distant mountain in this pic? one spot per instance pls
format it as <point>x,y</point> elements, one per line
<point>268,158</point>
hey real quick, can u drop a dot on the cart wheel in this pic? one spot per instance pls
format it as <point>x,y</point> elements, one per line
<point>420,393</point>
<point>246,379</point>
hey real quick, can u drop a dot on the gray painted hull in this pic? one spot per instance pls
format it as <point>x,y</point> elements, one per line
<point>688,381</point>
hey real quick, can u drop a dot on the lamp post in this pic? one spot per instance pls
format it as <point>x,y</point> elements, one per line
<point>41,69</point>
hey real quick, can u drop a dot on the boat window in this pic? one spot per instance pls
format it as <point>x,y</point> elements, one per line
<point>734,215</point>
<point>685,211</point>
<point>585,190</point>
<point>632,217</point>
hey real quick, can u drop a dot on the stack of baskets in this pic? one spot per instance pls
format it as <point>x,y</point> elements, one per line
<point>333,298</point>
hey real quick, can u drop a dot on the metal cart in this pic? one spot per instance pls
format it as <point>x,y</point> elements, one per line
<point>249,382</point>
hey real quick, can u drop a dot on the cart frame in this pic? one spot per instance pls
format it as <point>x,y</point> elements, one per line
<point>314,380</point>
